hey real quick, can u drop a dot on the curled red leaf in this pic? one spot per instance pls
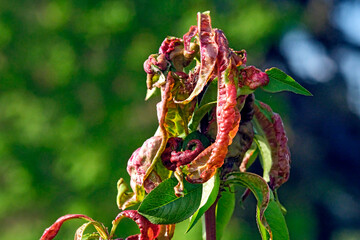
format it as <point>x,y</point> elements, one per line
<point>53,230</point>
<point>188,83</point>
<point>208,54</point>
<point>227,114</point>
<point>239,57</point>
<point>185,157</point>
<point>172,145</point>
<point>199,165</point>
<point>142,158</point>
<point>157,60</point>
<point>172,158</point>
<point>162,110</point>
<point>242,141</point>
<point>187,38</point>
<point>280,170</point>
<point>148,231</point>
<point>253,77</point>
<point>276,136</point>
<point>168,45</point>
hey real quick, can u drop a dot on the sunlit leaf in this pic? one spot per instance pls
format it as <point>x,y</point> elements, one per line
<point>174,122</point>
<point>209,194</point>
<point>276,225</point>
<point>91,236</point>
<point>280,81</point>
<point>152,92</point>
<point>161,206</point>
<point>224,210</point>
<point>265,155</point>
<point>80,231</point>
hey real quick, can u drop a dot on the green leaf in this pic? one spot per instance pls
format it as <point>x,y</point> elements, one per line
<point>280,81</point>
<point>174,123</point>
<point>245,90</point>
<point>161,206</point>
<point>224,210</point>
<point>255,183</point>
<point>210,94</point>
<point>275,220</point>
<point>209,194</point>
<point>269,216</point>
<point>254,151</point>
<point>152,92</point>
<point>263,145</point>
<point>91,236</point>
<point>199,114</point>
<point>262,229</point>
<point>80,231</point>
<point>265,155</point>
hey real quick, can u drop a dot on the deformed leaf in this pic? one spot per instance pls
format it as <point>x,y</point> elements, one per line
<point>209,195</point>
<point>256,184</point>
<point>224,210</point>
<point>228,119</point>
<point>148,230</point>
<point>124,195</point>
<point>280,81</point>
<point>264,110</point>
<point>174,123</point>
<point>53,230</point>
<point>208,52</point>
<point>196,135</point>
<point>161,206</point>
<point>271,136</point>
<point>80,231</point>
<point>253,77</point>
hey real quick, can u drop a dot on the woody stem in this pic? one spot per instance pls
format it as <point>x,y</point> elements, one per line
<point>210,222</point>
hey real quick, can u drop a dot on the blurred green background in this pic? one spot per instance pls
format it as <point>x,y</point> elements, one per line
<point>72,107</point>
